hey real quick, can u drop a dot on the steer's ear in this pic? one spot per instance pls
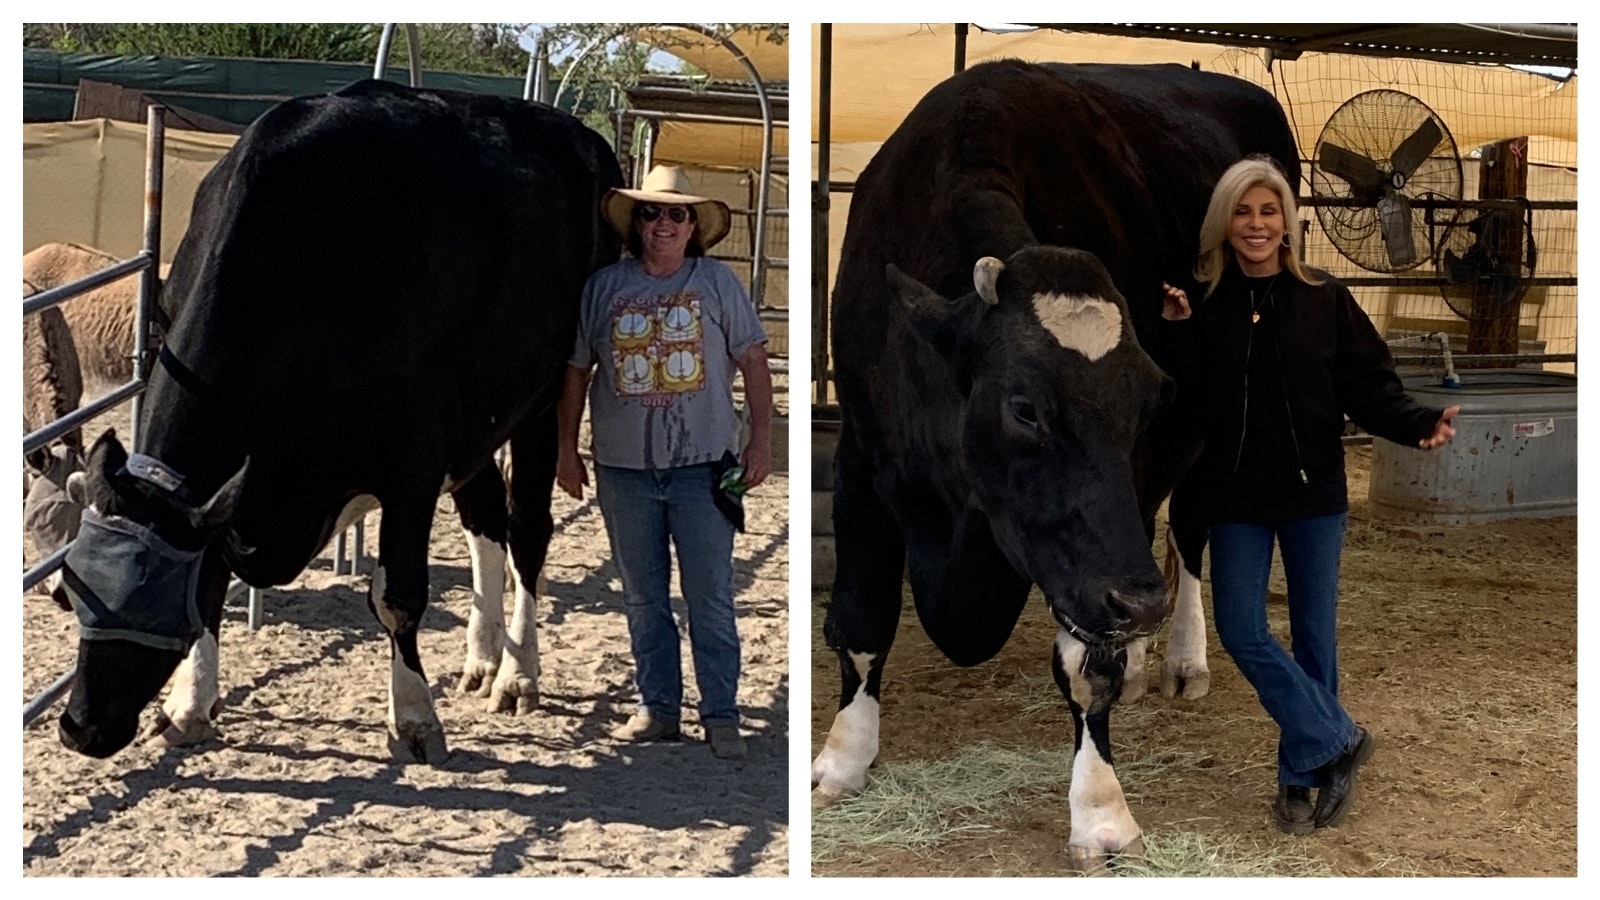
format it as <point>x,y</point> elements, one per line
<point>946,324</point>
<point>220,508</point>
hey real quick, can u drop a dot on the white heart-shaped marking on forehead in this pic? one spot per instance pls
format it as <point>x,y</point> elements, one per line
<point>1089,325</point>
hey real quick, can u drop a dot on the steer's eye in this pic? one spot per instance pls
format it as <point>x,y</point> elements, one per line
<point>1023,415</point>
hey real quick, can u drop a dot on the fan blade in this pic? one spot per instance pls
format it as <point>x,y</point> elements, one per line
<point>1394,219</point>
<point>1351,166</point>
<point>1457,270</point>
<point>1414,149</point>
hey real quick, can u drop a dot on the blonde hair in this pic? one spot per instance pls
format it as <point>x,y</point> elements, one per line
<point>1216,252</point>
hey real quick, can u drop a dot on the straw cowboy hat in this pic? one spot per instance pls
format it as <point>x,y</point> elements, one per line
<point>668,186</point>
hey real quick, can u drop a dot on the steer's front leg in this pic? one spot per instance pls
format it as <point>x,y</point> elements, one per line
<point>398,596</point>
<point>188,714</point>
<point>1091,677</point>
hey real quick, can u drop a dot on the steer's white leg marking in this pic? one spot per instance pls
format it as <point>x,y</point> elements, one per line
<point>1089,325</point>
<point>412,721</point>
<point>517,685</point>
<point>486,625</point>
<point>841,768</point>
<point>1101,822</point>
<point>1184,670</point>
<point>1134,679</point>
<point>187,711</point>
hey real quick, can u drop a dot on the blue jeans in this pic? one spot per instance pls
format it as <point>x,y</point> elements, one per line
<point>1300,692</point>
<point>644,510</point>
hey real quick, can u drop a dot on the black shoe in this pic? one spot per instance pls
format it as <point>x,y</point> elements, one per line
<point>1292,809</point>
<point>1339,780</point>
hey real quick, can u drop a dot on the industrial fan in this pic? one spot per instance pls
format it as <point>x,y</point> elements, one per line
<point>1381,156</point>
<point>1485,257</point>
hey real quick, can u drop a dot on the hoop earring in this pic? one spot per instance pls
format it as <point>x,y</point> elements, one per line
<point>1286,240</point>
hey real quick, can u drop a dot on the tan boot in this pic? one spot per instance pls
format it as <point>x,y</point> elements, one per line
<point>644,727</point>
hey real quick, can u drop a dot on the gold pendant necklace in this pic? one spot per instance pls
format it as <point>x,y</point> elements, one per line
<point>1255,308</point>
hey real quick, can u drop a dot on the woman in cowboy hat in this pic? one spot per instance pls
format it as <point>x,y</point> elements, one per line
<point>663,331</point>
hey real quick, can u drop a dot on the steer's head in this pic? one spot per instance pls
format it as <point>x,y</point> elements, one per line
<point>1057,390</point>
<point>133,577</point>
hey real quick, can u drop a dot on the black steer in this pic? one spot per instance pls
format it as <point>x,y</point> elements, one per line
<point>378,288</point>
<point>1010,435</point>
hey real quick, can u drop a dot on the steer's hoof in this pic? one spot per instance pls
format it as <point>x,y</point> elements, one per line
<point>1133,687</point>
<point>1186,680</point>
<point>418,743</point>
<point>826,795</point>
<point>514,695</point>
<point>179,734</point>
<point>1087,860</point>
<point>1098,861</point>
<point>477,678</point>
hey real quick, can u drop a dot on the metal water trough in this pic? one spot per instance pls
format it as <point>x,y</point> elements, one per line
<point>1515,453</point>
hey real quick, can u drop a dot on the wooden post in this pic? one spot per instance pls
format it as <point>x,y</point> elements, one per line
<point>1502,174</point>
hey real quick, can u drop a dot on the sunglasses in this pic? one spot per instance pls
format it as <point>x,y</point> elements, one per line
<point>678,214</point>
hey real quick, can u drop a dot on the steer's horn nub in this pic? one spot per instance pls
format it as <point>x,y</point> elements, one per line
<point>984,276</point>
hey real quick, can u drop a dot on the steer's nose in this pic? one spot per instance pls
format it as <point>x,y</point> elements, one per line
<point>1138,608</point>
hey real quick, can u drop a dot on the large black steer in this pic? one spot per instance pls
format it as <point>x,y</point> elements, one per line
<point>1000,423</point>
<point>378,287</point>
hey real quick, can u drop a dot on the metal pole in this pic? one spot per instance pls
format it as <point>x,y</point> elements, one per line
<point>47,699</point>
<point>150,278</point>
<point>414,55</point>
<point>647,154</point>
<point>384,41</point>
<point>961,47</point>
<point>537,88</point>
<point>758,271</point>
<point>821,202</point>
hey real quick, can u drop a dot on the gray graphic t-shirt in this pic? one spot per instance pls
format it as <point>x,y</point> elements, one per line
<point>664,353</point>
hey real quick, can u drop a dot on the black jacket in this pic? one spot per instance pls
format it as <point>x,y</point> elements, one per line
<point>1326,361</point>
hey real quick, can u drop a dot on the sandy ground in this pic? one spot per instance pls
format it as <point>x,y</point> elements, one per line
<point>1458,649</point>
<point>299,781</point>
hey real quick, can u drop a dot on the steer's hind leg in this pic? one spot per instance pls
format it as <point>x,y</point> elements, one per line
<point>187,715</point>
<point>1184,670</point>
<point>533,474</point>
<point>1091,677</point>
<point>860,624</point>
<point>481,504</point>
<point>398,597</point>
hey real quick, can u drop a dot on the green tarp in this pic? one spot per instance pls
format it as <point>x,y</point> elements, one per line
<point>237,90</point>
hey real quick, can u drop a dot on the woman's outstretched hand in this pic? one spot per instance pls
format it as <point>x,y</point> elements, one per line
<point>1442,432</point>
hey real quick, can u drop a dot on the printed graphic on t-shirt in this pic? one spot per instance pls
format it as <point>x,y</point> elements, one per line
<point>657,347</point>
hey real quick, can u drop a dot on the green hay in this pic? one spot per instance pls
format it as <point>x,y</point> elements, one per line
<point>915,805</point>
<point>1187,854</point>
<point>922,806</point>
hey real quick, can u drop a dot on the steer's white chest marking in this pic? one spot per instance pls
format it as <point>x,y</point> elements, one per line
<point>1089,325</point>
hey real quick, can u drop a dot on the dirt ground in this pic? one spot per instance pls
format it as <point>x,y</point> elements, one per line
<point>1458,651</point>
<point>299,781</point>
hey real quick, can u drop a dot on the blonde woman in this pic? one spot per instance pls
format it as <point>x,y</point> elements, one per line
<point>1286,354</point>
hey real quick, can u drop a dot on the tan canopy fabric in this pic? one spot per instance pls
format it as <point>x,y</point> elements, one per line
<point>770,59</point>
<point>712,144</point>
<point>881,71</point>
<point>83,182</point>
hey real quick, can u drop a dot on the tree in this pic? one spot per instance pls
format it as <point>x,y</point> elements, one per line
<point>593,59</point>
<point>326,42</point>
